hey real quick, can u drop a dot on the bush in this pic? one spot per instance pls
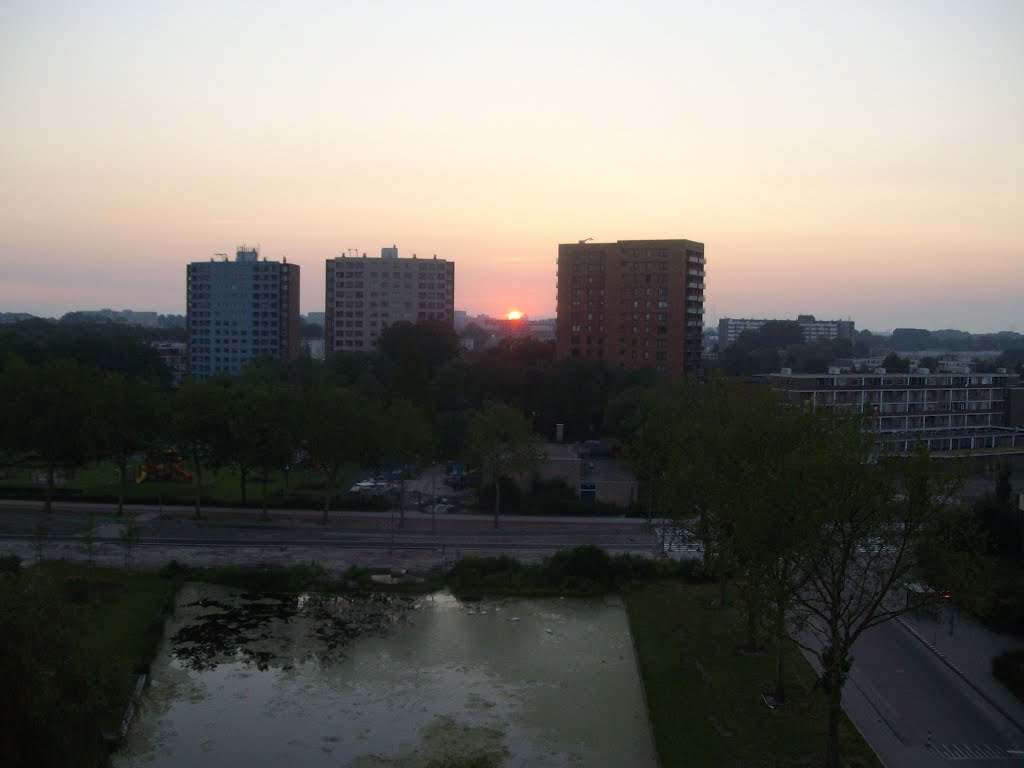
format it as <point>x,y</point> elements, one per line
<point>175,570</point>
<point>295,578</point>
<point>503,574</point>
<point>487,566</point>
<point>587,570</point>
<point>1009,668</point>
<point>360,577</point>
<point>76,590</point>
<point>474,761</point>
<point>581,568</point>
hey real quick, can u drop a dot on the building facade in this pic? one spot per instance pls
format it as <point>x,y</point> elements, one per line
<point>944,412</point>
<point>632,303</point>
<point>730,328</point>
<point>174,355</point>
<point>240,310</point>
<point>365,295</point>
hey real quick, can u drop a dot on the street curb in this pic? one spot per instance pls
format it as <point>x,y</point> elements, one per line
<point>959,672</point>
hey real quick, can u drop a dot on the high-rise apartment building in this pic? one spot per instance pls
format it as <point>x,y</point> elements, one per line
<point>632,303</point>
<point>366,295</point>
<point>240,310</point>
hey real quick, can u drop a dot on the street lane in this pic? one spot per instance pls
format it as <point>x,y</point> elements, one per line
<point>926,704</point>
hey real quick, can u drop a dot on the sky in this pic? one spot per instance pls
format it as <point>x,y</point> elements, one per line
<point>849,160</point>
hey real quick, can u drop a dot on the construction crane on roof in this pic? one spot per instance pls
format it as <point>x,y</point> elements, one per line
<point>584,242</point>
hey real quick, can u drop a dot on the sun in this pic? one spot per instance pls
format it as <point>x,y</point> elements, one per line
<point>515,314</point>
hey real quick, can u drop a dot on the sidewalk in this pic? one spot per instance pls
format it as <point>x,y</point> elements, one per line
<point>968,647</point>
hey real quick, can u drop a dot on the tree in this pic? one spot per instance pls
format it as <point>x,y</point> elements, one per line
<point>341,427</point>
<point>778,334</point>
<point>434,340</point>
<point>129,422</point>
<point>268,424</point>
<point>778,521</point>
<point>49,414</point>
<point>198,417</point>
<point>129,537</point>
<point>874,514</point>
<point>821,531</point>
<point>477,335</point>
<point>687,445</point>
<point>893,363</point>
<point>89,539</point>
<point>100,346</point>
<point>501,443</point>
<point>412,440</point>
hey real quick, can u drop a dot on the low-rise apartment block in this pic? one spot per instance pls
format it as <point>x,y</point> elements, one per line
<point>944,412</point>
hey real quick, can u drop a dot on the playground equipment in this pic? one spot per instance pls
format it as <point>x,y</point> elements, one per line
<point>163,465</point>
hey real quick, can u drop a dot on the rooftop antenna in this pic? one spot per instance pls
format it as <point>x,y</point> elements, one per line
<point>583,242</point>
<point>352,251</point>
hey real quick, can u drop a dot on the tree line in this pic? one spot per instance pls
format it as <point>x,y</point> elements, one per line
<point>780,344</point>
<point>71,395</point>
<point>820,534</point>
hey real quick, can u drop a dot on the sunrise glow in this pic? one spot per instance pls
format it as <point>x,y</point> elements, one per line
<point>816,183</point>
<point>515,315</point>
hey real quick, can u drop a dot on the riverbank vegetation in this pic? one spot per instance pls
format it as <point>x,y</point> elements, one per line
<point>85,632</point>
<point>74,640</point>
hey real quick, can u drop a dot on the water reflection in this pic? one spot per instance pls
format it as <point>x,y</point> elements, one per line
<point>250,627</point>
<point>391,681</point>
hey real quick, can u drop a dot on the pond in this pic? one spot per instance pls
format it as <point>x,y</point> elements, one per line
<point>391,681</point>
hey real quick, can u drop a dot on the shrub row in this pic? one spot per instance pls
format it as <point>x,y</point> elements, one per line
<point>581,570</point>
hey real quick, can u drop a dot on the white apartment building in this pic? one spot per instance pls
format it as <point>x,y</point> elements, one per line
<point>730,328</point>
<point>944,412</point>
<point>365,295</point>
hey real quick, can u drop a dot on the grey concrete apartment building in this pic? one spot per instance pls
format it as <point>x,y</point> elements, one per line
<point>730,328</point>
<point>240,310</point>
<point>365,295</point>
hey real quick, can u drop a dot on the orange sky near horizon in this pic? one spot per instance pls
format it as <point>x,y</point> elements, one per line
<point>863,161</point>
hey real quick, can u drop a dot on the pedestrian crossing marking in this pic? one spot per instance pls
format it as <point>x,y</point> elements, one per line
<point>978,752</point>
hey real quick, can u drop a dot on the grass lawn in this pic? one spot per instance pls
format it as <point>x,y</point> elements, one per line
<point>99,482</point>
<point>704,695</point>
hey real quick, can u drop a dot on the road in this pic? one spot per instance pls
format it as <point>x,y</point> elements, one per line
<point>367,539</point>
<point>919,712</point>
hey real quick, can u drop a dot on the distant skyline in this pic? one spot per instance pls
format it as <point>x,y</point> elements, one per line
<point>861,161</point>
